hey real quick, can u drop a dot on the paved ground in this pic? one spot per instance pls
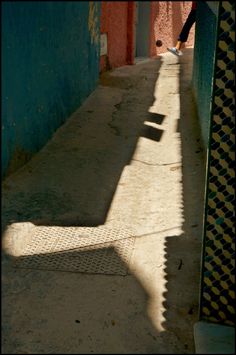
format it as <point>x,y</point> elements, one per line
<point>130,157</point>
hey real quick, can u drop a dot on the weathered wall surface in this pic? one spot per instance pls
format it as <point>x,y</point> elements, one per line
<point>167,19</point>
<point>50,64</point>
<point>114,22</point>
<point>203,70</point>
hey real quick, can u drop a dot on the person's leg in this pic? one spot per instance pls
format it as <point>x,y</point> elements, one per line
<point>178,45</point>
<point>184,33</point>
<point>187,27</point>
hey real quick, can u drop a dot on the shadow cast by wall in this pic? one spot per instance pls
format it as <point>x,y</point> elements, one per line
<point>72,183</point>
<point>183,252</point>
<point>70,312</point>
<point>73,179</point>
<point>79,192</point>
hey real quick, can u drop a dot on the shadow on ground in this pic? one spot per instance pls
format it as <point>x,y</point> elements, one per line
<point>74,179</point>
<point>48,312</point>
<point>183,269</point>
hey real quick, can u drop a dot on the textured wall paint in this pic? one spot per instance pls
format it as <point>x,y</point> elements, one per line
<point>203,68</point>
<point>114,20</point>
<point>167,19</point>
<point>50,64</point>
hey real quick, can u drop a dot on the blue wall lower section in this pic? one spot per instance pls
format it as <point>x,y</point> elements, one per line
<point>50,64</point>
<point>203,68</point>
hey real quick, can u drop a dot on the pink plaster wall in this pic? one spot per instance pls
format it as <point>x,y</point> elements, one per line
<point>114,22</point>
<point>167,19</point>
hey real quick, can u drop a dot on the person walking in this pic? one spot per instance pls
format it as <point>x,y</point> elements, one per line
<point>183,36</point>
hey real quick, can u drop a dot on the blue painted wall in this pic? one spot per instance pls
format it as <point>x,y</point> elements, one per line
<point>50,64</point>
<point>203,66</point>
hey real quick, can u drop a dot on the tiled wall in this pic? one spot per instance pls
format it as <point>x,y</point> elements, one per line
<point>218,268</point>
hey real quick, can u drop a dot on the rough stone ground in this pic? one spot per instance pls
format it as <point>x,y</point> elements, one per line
<point>130,157</point>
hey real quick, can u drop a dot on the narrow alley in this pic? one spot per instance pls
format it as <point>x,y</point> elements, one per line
<point>126,167</point>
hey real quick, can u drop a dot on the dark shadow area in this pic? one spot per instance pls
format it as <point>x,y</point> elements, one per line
<point>71,182</point>
<point>183,252</point>
<point>73,179</point>
<point>67,312</point>
<point>155,118</point>
<point>73,313</point>
<point>151,133</point>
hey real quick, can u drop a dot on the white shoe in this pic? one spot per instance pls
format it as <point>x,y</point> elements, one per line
<point>175,51</point>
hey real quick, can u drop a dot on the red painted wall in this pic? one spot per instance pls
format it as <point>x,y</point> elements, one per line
<point>167,19</point>
<point>131,32</point>
<point>114,22</point>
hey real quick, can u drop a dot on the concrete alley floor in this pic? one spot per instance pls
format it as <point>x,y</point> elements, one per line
<point>129,158</point>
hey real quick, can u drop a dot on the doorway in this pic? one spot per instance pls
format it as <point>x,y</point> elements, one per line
<point>142,30</point>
